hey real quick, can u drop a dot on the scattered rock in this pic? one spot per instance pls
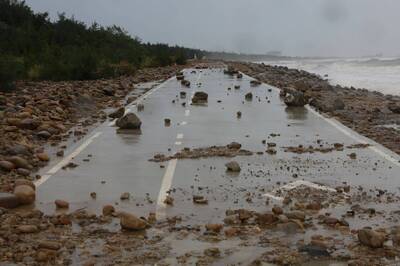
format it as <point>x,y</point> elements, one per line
<point>315,251</point>
<point>277,210</point>
<point>371,238</point>
<point>43,156</point>
<point>249,96</point>
<point>185,83</point>
<point>108,91</point>
<point>232,166</point>
<point>23,172</point>
<point>20,162</point>
<point>21,181</point>
<point>234,146</point>
<point>125,196</point>
<point>200,200</point>
<point>131,222</point>
<point>200,97</point>
<point>214,227</point>
<point>8,200</point>
<point>169,200</point>
<point>353,155</point>
<point>294,98</point>
<point>47,244</point>
<point>394,107</point>
<point>61,204</point>
<point>27,229</point>
<point>43,134</point>
<point>338,104</point>
<point>212,252</point>
<point>117,113</point>
<point>6,165</point>
<point>25,194</point>
<point>108,210</point>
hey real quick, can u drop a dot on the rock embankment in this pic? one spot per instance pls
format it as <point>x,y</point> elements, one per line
<point>367,112</point>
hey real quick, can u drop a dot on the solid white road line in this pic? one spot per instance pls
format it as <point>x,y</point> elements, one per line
<point>165,187</point>
<point>169,173</point>
<point>375,147</point>
<point>66,160</point>
<point>198,78</point>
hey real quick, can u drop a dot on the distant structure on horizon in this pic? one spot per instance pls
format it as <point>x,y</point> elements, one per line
<point>274,53</point>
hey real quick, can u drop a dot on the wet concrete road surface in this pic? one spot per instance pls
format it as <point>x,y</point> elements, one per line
<point>120,163</point>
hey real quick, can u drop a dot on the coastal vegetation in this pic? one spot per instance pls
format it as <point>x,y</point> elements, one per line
<point>33,47</point>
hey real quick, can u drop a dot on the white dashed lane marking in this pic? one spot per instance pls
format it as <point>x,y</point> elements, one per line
<point>165,187</point>
<point>169,173</point>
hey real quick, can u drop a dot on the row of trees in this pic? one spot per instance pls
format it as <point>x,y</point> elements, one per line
<point>35,48</point>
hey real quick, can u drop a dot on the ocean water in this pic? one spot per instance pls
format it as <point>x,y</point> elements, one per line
<point>377,74</point>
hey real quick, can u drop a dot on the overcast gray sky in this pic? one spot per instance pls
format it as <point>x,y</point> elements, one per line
<point>295,27</point>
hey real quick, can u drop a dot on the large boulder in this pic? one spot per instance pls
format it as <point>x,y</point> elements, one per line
<point>131,222</point>
<point>25,194</point>
<point>230,71</point>
<point>117,113</point>
<point>185,83</point>
<point>371,238</point>
<point>294,98</point>
<point>200,97</point>
<point>129,121</point>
